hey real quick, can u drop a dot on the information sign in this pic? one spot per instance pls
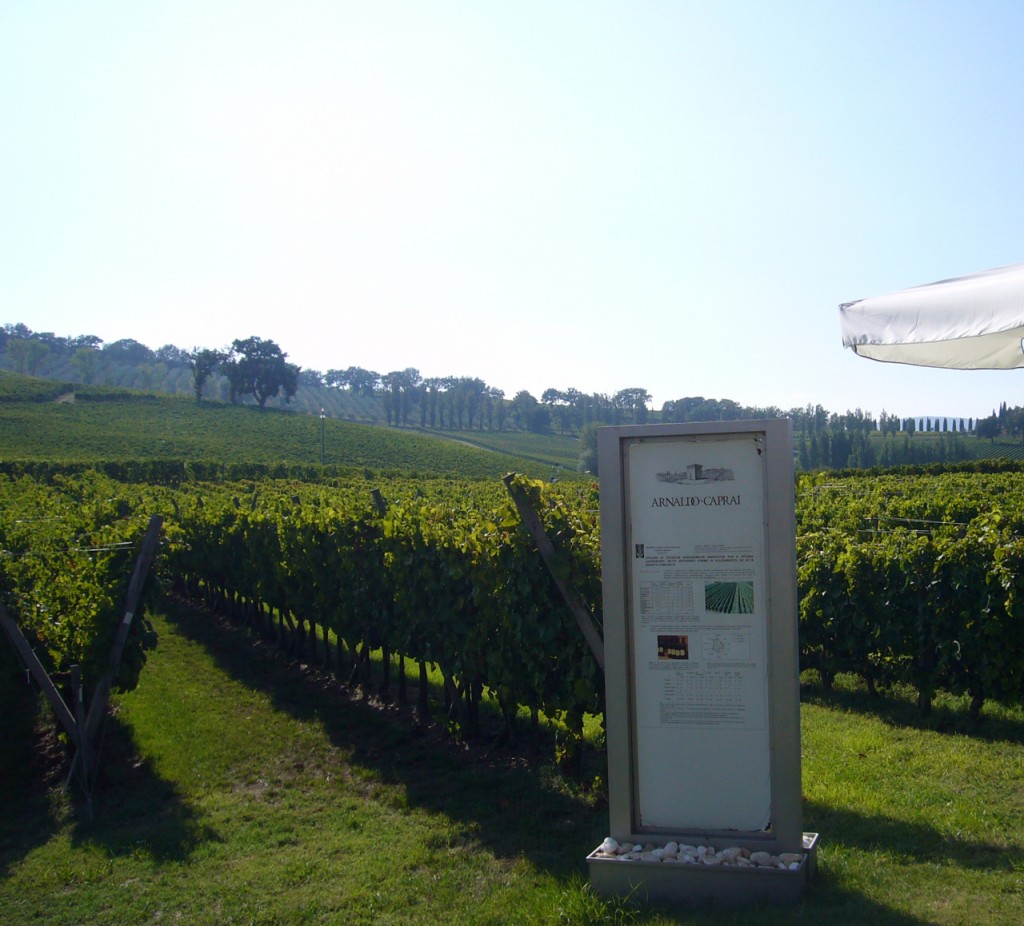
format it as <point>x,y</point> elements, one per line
<point>700,632</point>
<point>697,634</point>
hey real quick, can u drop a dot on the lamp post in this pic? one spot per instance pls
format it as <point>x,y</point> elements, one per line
<point>323,416</point>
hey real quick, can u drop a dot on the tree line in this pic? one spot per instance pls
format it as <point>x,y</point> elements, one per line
<point>253,367</point>
<point>256,369</point>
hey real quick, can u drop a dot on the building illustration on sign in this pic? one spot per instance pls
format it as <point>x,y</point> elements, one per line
<point>696,472</point>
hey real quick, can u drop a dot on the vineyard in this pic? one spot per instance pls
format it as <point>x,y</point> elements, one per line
<point>107,424</point>
<point>914,580</point>
<point>437,572</point>
<point>264,768</point>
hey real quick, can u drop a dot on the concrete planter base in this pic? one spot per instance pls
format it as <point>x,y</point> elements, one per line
<point>700,884</point>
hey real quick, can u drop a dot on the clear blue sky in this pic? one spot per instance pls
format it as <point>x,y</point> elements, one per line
<point>674,195</point>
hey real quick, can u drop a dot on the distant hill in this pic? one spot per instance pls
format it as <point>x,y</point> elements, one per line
<point>548,452</point>
<point>46,420</point>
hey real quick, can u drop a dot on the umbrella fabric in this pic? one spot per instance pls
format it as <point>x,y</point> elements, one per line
<point>972,322</point>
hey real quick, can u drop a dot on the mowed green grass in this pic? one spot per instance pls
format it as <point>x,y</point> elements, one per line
<point>229,803</point>
<point>238,790</point>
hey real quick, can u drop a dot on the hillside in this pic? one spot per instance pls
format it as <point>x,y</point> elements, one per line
<point>44,420</point>
<point>175,427</point>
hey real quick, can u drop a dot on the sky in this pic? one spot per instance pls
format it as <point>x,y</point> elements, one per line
<point>593,195</point>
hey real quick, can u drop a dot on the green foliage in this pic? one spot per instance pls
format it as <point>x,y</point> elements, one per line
<point>913,578</point>
<point>259,368</point>
<point>445,575</point>
<point>204,362</point>
<point>66,556</point>
<point>587,462</point>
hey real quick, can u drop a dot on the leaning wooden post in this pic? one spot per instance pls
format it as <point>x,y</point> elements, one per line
<point>98,704</point>
<point>82,729</point>
<point>531,520</point>
<point>41,676</point>
<point>381,507</point>
<point>83,748</point>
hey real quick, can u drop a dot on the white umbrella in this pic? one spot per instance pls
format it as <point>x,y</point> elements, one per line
<point>973,322</point>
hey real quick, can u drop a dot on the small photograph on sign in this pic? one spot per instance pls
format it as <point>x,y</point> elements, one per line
<point>729,597</point>
<point>638,550</point>
<point>673,646</point>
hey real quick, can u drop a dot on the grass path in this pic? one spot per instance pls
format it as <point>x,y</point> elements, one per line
<point>225,803</point>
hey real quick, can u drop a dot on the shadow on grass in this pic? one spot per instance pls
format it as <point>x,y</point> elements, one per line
<point>824,902</point>
<point>509,799</point>
<point>900,711</point>
<point>512,802</point>
<point>134,811</point>
<point>30,762</point>
<point>899,840</point>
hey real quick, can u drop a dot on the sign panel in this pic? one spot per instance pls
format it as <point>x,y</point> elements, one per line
<point>700,633</point>
<point>697,634</point>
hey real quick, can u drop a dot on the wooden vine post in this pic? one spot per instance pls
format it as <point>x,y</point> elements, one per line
<point>82,726</point>
<point>531,520</point>
<point>38,672</point>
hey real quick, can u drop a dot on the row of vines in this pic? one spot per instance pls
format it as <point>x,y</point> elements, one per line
<point>66,554</point>
<point>439,573</point>
<point>903,579</point>
<point>916,580</point>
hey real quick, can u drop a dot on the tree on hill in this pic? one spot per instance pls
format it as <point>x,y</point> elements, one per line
<point>561,407</point>
<point>259,368</point>
<point>358,380</point>
<point>473,389</point>
<point>588,448</point>
<point>531,414</point>
<point>634,402</point>
<point>430,391</point>
<point>987,427</point>
<point>204,363</point>
<point>128,351</point>
<point>171,355</point>
<point>400,391</point>
<point>86,360</point>
<point>27,354</point>
<point>498,407</point>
